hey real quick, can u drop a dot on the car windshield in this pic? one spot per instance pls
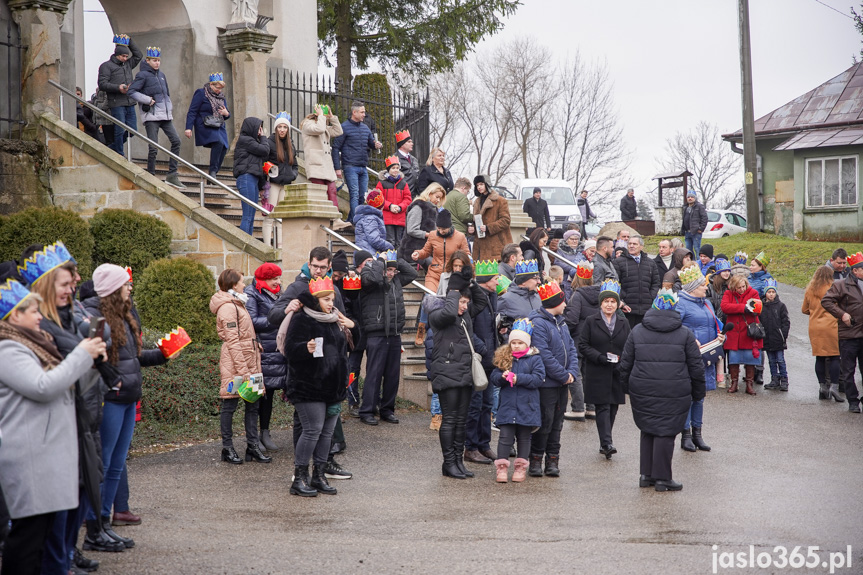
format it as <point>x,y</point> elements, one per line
<point>552,195</point>
<point>712,216</point>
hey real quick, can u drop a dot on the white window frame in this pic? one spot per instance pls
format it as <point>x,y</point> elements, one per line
<point>856,159</point>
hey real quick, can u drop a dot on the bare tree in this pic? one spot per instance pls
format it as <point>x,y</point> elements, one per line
<point>445,119</point>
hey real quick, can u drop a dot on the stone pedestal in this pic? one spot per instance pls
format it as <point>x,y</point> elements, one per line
<point>519,221</point>
<point>669,221</point>
<point>303,210</point>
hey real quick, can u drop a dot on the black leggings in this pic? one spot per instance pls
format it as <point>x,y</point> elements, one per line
<point>509,433</point>
<point>265,411</point>
<point>454,404</point>
<point>823,363</point>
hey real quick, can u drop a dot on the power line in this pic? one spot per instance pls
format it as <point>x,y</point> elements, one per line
<point>835,9</point>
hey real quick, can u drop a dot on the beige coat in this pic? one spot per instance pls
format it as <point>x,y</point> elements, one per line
<point>316,146</point>
<point>495,216</point>
<point>823,327</point>
<point>241,353</point>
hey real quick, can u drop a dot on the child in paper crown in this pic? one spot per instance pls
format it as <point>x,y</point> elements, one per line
<point>397,198</point>
<point>774,316</point>
<point>371,234</point>
<point>518,373</point>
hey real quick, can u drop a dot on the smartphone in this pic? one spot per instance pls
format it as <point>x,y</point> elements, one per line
<point>97,327</point>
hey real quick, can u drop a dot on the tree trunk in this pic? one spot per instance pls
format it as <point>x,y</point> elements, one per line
<point>344,47</point>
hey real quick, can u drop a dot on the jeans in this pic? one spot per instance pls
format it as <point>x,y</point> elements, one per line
<point>217,156</point>
<point>22,554</point>
<point>247,184</point>
<point>357,180</point>
<point>479,419</point>
<point>511,433</point>
<point>125,114</point>
<point>777,364</point>
<point>250,419</point>
<point>152,129</point>
<point>695,417</point>
<point>552,404</point>
<point>118,423</point>
<point>121,500</point>
<point>693,243</point>
<point>435,404</point>
<point>314,442</point>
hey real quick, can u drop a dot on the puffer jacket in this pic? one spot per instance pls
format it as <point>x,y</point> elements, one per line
<point>129,363</point>
<point>551,337</point>
<point>484,324</point>
<point>113,73</point>
<point>697,316</point>
<point>272,362</point>
<point>639,281</point>
<point>440,249</point>
<point>398,194</point>
<point>602,382</point>
<point>845,296</point>
<point>150,84</point>
<point>241,352</point>
<point>383,308</point>
<point>251,151</point>
<point>519,403</point>
<point>451,357</point>
<point>734,306</point>
<point>774,316</point>
<point>352,147</point>
<point>662,369</point>
<point>318,133</point>
<point>758,281</point>
<point>583,304</point>
<point>414,238</point>
<point>518,302</point>
<point>315,379</point>
<point>369,230</point>
<point>287,171</point>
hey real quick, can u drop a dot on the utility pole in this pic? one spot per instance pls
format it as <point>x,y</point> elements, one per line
<point>753,212</point>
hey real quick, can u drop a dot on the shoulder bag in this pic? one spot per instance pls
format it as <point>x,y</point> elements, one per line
<point>755,330</point>
<point>477,371</point>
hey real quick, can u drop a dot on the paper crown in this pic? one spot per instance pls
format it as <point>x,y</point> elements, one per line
<point>771,284</point>
<point>502,285</point>
<point>217,77</point>
<point>722,264</point>
<point>690,274</point>
<point>172,343</point>
<point>610,285</point>
<point>375,198</point>
<point>352,283</point>
<point>524,325</point>
<point>12,294</point>
<point>486,268</point>
<point>691,193</point>
<point>391,256</point>
<point>402,136</point>
<point>129,271</point>
<point>855,260</point>
<point>252,389</point>
<point>121,39</point>
<point>325,109</point>
<point>527,268</point>
<point>584,270</point>
<point>757,306</point>
<point>763,259</point>
<point>391,161</point>
<point>665,299</point>
<point>741,257</point>
<point>283,116</point>
<point>320,287</point>
<point>154,52</point>
<point>271,169</point>
<point>44,261</point>
<point>548,290</point>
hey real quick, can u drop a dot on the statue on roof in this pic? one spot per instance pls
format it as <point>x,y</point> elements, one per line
<point>244,11</point>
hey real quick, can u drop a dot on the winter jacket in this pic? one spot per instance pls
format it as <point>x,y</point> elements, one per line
<point>383,308</point>
<point>845,296</point>
<point>272,362</point>
<point>150,84</point>
<point>398,194</point>
<point>708,268</point>
<point>639,281</point>
<point>583,304</point>
<point>315,379</point>
<point>662,369</point>
<point>458,206</point>
<point>758,281</point>
<point>317,146</point>
<point>440,249</point>
<point>200,108</point>
<point>519,403</point>
<point>251,151</point>
<point>823,327</point>
<point>485,325</point>
<point>734,306</point>
<point>430,174</point>
<point>369,230</point>
<point>836,274</point>
<point>694,218</point>
<point>352,147</point>
<point>451,357</point>
<point>570,254</point>
<point>715,295</point>
<point>506,270</point>
<point>671,279</point>
<point>660,266</point>
<point>241,352</point>
<point>84,117</point>
<point>537,210</point>
<point>585,209</point>
<point>518,302</point>
<point>410,167</point>
<point>287,171</point>
<point>551,337</point>
<point>602,378</point>
<point>495,216</point>
<point>697,316</point>
<point>774,316</point>
<point>420,218</point>
<point>114,73</point>
<point>628,208</point>
<point>603,269</point>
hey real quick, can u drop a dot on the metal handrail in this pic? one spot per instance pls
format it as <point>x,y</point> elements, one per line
<point>180,160</point>
<point>553,253</point>
<point>356,247</point>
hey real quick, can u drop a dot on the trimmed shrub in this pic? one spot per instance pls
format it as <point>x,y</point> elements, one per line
<point>129,238</point>
<point>184,388</point>
<point>46,226</point>
<point>174,292</point>
<point>375,91</point>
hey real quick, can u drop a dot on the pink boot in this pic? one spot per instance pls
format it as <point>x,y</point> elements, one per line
<point>502,466</point>
<point>520,471</point>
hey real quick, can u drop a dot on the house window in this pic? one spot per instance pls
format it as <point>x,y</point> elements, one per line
<point>831,182</point>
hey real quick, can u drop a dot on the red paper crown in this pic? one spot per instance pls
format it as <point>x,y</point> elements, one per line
<point>584,270</point>
<point>320,287</point>
<point>129,271</point>
<point>172,343</point>
<point>402,136</point>
<point>390,161</point>
<point>549,290</point>
<point>375,199</point>
<point>352,283</point>
<point>855,259</point>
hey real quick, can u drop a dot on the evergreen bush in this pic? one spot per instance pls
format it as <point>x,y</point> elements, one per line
<point>46,226</point>
<point>129,238</point>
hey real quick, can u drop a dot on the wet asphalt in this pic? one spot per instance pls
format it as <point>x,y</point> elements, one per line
<point>786,469</point>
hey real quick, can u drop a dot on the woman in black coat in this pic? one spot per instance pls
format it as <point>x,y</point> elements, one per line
<point>603,336</point>
<point>434,172</point>
<point>249,156</point>
<point>583,304</point>
<point>661,368</point>
<point>283,155</point>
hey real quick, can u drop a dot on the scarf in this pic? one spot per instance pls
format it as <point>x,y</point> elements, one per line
<point>262,285</point>
<point>610,323</point>
<point>394,179</point>
<point>320,316</point>
<point>38,342</point>
<point>520,354</point>
<point>216,100</point>
<point>240,296</point>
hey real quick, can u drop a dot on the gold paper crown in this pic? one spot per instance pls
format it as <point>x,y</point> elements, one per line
<point>690,274</point>
<point>320,287</point>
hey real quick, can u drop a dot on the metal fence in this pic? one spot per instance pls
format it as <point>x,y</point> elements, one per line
<point>11,122</point>
<point>388,110</point>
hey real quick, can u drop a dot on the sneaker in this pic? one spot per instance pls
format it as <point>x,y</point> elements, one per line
<point>334,471</point>
<point>174,180</point>
<point>590,414</point>
<point>435,422</point>
<point>574,416</point>
<point>494,427</point>
<point>354,411</point>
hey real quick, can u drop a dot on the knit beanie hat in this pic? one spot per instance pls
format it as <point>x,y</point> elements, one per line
<point>268,271</point>
<point>340,261</point>
<point>568,234</point>
<point>362,255</point>
<point>706,250</point>
<point>108,278</point>
<point>119,50</point>
<point>444,219</point>
<point>589,244</point>
<point>375,199</point>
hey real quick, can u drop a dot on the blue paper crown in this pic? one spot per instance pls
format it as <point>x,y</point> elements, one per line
<point>771,284</point>
<point>389,255</point>
<point>527,268</point>
<point>44,261</point>
<point>524,325</point>
<point>610,285</point>
<point>121,39</point>
<point>217,77</point>
<point>283,116</point>
<point>722,264</point>
<point>666,299</point>
<point>154,52</point>
<point>12,294</point>
<point>740,258</point>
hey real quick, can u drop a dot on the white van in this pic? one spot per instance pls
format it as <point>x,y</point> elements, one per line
<point>560,198</point>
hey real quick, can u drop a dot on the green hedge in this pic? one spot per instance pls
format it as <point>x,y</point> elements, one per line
<point>129,238</point>
<point>46,226</point>
<point>174,292</point>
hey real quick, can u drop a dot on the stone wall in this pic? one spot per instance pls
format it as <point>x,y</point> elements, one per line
<point>669,221</point>
<point>21,187</point>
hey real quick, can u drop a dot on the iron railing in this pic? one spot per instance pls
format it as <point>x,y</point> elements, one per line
<point>11,117</point>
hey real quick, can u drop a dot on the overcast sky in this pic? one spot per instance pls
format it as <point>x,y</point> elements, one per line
<point>674,62</point>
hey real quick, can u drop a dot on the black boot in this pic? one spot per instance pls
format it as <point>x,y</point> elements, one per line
<point>824,390</point>
<point>84,563</point>
<point>667,485</point>
<point>106,527</point>
<point>551,465</point>
<point>97,540</point>
<point>834,393</point>
<point>320,483</point>
<point>783,384</point>
<point>449,467</point>
<point>459,461</point>
<point>698,441</point>
<point>774,383</point>
<point>253,451</point>
<point>301,486</point>
<point>759,375</point>
<point>686,441</point>
<point>535,467</point>
<point>229,454</point>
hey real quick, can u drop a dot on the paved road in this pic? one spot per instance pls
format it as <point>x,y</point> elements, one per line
<point>786,469</point>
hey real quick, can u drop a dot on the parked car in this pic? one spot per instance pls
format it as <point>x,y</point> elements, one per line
<point>559,196</point>
<point>722,223</point>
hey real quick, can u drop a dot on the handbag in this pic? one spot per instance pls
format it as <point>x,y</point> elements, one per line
<point>477,371</point>
<point>755,330</point>
<point>213,121</point>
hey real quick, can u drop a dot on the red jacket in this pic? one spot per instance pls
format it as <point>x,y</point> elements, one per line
<point>395,193</point>
<point>733,305</point>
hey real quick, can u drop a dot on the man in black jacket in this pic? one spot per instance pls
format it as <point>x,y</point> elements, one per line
<point>537,209</point>
<point>639,280</point>
<point>628,206</point>
<point>694,222</point>
<point>409,163</point>
<point>115,76</point>
<point>383,318</point>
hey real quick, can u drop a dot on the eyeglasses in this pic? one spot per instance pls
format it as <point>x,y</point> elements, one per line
<point>319,268</point>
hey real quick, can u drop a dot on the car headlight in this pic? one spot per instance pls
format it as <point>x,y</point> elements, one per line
<point>572,218</point>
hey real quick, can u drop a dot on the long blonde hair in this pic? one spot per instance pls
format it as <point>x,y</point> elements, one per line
<point>430,189</point>
<point>45,287</point>
<point>503,357</point>
<point>821,281</point>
